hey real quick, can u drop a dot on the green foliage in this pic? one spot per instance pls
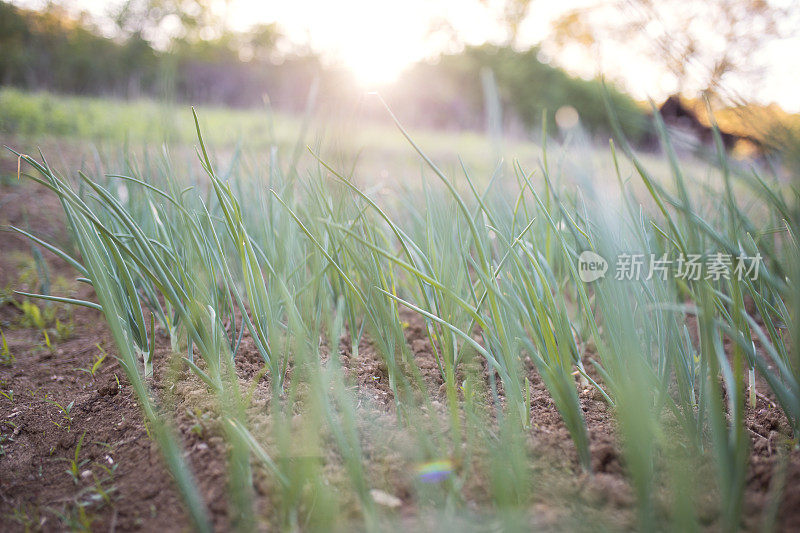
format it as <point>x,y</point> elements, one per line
<point>530,87</point>
<point>64,330</point>
<point>33,317</point>
<point>46,49</point>
<point>97,492</point>
<point>64,411</point>
<point>108,122</point>
<point>6,357</point>
<point>8,395</point>
<point>26,515</point>
<point>46,318</point>
<point>97,362</point>
<point>50,50</point>
<point>75,462</point>
<point>76,518</point>
<point>303,260</point>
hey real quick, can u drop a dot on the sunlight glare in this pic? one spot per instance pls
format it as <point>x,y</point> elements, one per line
<point>374,40</point>
<point>374,53</point>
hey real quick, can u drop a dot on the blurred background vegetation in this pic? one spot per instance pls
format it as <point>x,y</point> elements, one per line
<point>127,54</point>
<point>52,50</point>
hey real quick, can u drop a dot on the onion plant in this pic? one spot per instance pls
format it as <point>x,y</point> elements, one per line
<point>298,259</point>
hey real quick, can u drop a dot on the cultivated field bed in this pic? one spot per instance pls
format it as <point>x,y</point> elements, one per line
<point>264,341</point>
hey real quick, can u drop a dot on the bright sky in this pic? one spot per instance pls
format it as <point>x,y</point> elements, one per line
<point>376,39</point>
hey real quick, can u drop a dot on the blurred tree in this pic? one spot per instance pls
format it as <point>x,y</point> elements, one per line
<point>512,13</point>
<point>699,43</point>
<point>162,22</point>
<point>14,34</point>
<point>59,50</point>
<point>527,88</point>
<point>54,50</point>
<point>260,41</point>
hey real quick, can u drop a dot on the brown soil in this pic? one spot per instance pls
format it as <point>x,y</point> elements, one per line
<point>38,443</point>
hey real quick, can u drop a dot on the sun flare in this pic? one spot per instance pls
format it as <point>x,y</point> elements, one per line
<point>374,40</point>
<point>374,61</point>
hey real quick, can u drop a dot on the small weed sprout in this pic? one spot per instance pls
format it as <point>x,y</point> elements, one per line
<point>75,463</point>
<point>64,330</point>
<point>26,517</point>
<point>97,363</point>
<point>6,439</point>
<point>65,411</point>
<point>8,395</point>
<point>32,317</point>
<point>6,357</point>
<point>75,518</point>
